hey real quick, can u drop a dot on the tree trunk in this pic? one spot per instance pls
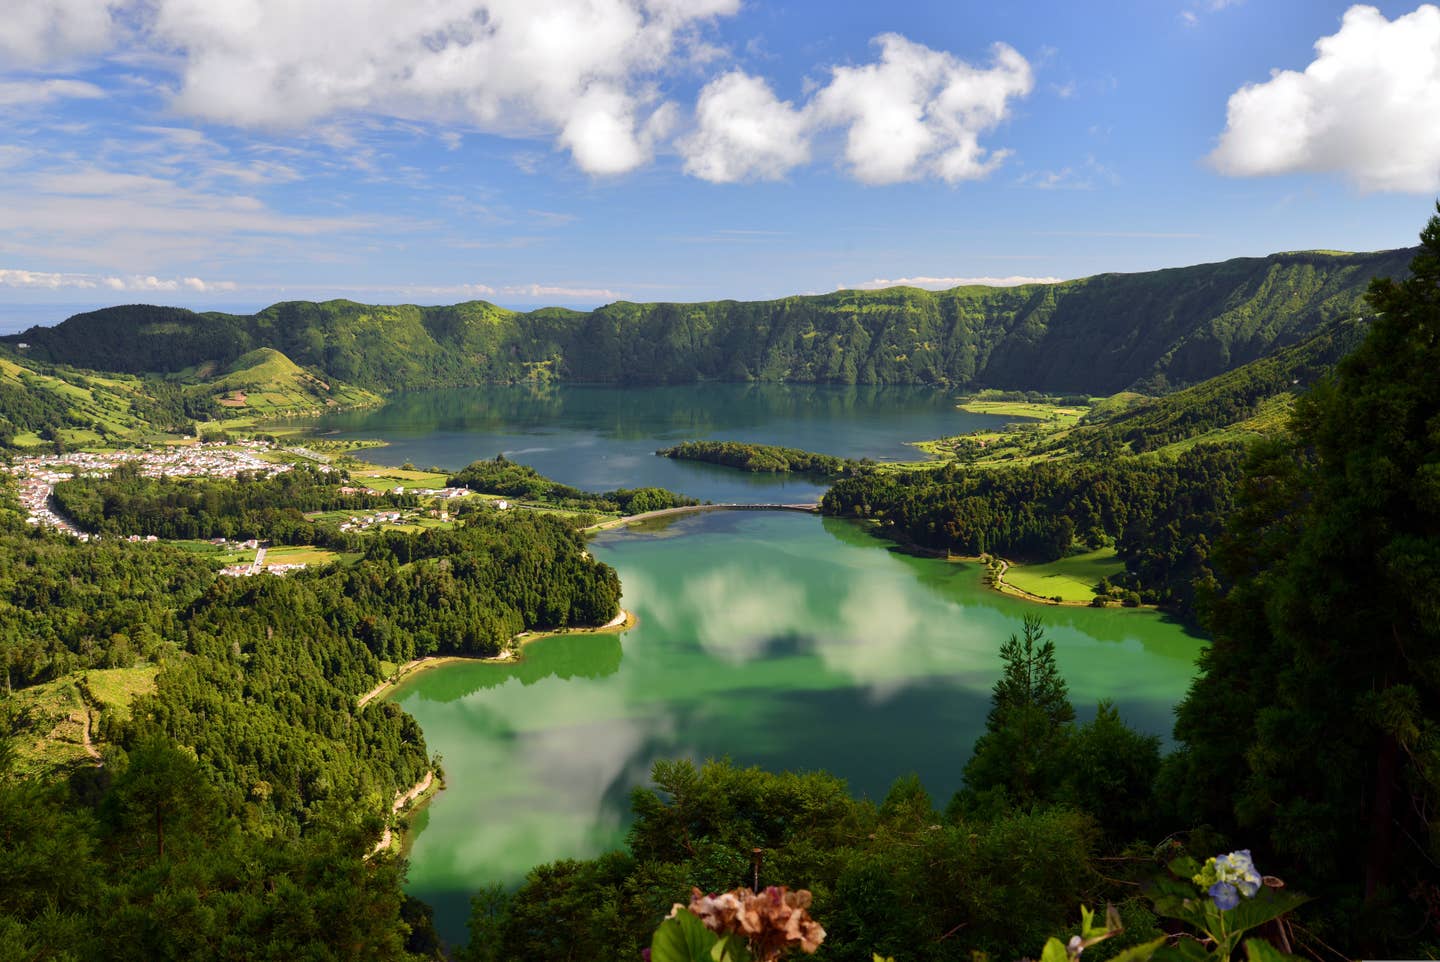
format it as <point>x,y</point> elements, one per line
<point>1382,818</point>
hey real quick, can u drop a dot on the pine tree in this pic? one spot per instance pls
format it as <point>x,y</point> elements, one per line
<point>1031,678</point>
<point>1023,747</point>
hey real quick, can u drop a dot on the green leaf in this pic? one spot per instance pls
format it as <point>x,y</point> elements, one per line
<point>1054,952</point>
<point>1185,950</point>
<point>1267,904</point>
<point>1185,867</point>
<point>683,938</point>
<point>732,948</point>
<point>1258,950</point>
<point>1188,910</point>
<point>1139,953</point>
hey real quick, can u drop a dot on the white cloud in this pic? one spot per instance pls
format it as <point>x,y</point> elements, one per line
<point>13,277</point>
<point>586,74</point>
<point>582,71</point>
<point>47,280</point>
<point>40,32</point>
<point>577,293</point>
<point>43,91</point>
<point>1366,107</point>
<point>1191,17</point>
<point>914,113</point>
<point>945,283</point>
<point>920,112</point>
<point>745,132</point>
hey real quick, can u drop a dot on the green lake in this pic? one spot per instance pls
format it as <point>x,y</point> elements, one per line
<point>776,639</point>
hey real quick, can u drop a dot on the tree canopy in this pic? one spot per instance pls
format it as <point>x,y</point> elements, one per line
<point>1319,697</point>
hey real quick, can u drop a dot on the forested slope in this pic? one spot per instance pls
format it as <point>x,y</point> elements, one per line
<point>1097,335</point>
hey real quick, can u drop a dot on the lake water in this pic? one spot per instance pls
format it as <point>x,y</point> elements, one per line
<point>600,438</point>
<point>777,639</point>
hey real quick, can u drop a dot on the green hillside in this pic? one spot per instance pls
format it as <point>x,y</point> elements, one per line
<point>1249,400</point>
<point>42,404</point>
<point>1097,335</point>
<point>265,381</point>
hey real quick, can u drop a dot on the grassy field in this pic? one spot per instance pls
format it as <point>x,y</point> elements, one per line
<point>1038,434</point>
<point>1267,422</point>
<point>265,383</point>
<point>389,478</point>
<point>113,689</point>
<point>103,402</point>
<point>1070,579</point>
<point>222,554</point>
<point>300,554</point>
<point>47,722</point>
<point>1053,414</point>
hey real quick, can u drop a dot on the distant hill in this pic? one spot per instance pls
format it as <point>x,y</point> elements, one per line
<point>265,381</point>
<point>1097,335</point>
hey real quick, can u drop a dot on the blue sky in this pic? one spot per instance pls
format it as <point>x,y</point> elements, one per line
<point>231,153</point>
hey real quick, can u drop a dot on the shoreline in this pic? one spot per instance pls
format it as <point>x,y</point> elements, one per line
<point>624,621</point>
<point>410,802</point>
<point>1006,588</point>
<point>998,583</point>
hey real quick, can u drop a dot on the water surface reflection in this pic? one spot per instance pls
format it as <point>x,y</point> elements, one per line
<point>775,639</point>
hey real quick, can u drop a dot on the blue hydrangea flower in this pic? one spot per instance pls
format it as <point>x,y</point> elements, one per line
<point>1225,895</point>
<point>1238,869</point>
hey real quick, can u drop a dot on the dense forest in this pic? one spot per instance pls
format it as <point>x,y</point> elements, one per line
<point>250,506</point>
<point>1096,335</point>
<point>763,458</point>
<point>1161,514</point>
<point>239,798</point>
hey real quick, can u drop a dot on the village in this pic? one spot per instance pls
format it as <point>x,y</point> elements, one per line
<point>37,476</point>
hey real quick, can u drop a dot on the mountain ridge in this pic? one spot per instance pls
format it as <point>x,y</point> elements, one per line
<point>1098,334</point>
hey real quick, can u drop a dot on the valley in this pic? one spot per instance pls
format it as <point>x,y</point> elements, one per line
<point>522,604</point>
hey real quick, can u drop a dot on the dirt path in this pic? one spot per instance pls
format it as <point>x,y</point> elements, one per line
<point>1005,587</point>
<point>89,745</point>
<point>401,800</point>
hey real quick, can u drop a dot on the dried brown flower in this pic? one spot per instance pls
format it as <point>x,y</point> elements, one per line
<point>771,922</point>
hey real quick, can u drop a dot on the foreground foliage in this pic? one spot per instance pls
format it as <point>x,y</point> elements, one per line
<point>1321,694</point>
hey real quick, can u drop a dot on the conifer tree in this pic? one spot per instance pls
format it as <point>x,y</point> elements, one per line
<point>1311,730</point>
<point>1023,747</point>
